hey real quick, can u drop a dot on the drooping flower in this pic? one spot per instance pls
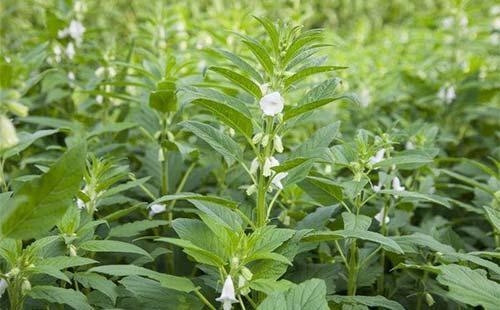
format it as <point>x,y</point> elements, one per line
<point>76,31</point>
<point>252,189</point>
<point>8,136</point>
<point>277,179</point>
<point>269,163</point>
<point>396,185</point>
<point>3,286</point>
<point>156,209</point>
<point>71,76</point>
<point>377,188</point>
<point>447,94</point>
<point>379,156</point>
<point>80,204</point>
<point>99,99</point>
<point>254,166</point>
<point>257,138</point>
<point>70,50</point>
<point>379,217</point>
<point>227,297</point>
<point>278,144</point>
<point>272,104</point>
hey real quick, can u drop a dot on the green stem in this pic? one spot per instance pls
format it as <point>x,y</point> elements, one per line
<point>261,201</point>
<point>353,269</point>
<point>383,231</point>
<point>3,182</point>
<point>204,300</point>
<point>164,173</point>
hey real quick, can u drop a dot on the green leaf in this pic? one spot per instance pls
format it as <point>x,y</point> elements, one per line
<point>419,196</point>
<point>229,115</point>
<point>57,295</point>
<point>493,216</point>
<point>299,110</point>
<point>262,56</point>
<point>201,255</point>
<point>387,243</point>
<point>164,98</point>
<point>269,285</point>
<point>51,271</point>
<point>469,286</point>
<point>322,190</point>
<point>268,255</point>
<point>166,280</point>
<point>112,246</point>
<point>356,222</point>
<point>97,282</point>
<point>240,80</point>
<point>64,262</point>
<point>310,295</point>
<point>135,228</point>
<point>110,128</point>
<point>271,31</point>
<point>370,301</point>
<point>39,204</point>
<point>220,142</point>
<point>408,160</point>
<point>242,64</point>
<point>25,140</point>
<point>197,197</point>
<point>304,73</point>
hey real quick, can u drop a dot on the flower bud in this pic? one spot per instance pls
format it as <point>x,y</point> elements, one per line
<point>252,189</point>
<point>8,136</point>
<point>25,286</point>
<point>17,108</point>
<point>72,250</point>
<point>246,273</point>
<point>265,140</point>
<point>161,155</point>
<point>429,300</point>
<point>257,138</point>
<point>278,144</point>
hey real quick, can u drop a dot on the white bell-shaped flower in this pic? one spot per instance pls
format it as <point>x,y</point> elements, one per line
<point>377,188</point>
<point>269,163</point>
<point>277,179</point>
<point>379,156</point>
<point>227,297</point>
<point>272,104</point>
<point>396,185</point>
<point>8,136</point>
<point>278,144</point>
<point>379,217</point>
<point>76,31</point>
<point>70,50</point>
<point>80,204</point>
<point>156,209</point>
<point>254,166</point>
<point>3,286</point>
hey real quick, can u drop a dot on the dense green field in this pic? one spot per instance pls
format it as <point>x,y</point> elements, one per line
<point>267,155</point>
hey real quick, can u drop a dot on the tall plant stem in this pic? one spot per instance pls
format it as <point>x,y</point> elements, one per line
<point>352,269</point>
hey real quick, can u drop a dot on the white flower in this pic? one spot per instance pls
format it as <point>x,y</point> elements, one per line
<point>70,50</point>
<point>99,99</point>
<point>254,166</point>
<point>379,156</point>
<point>272,104</point>
<point>447,22</point>
<point>277,179</point>
<point>379,217</point>
<point>364,97</point>
<point>496,23</point>
<point>269,163</point>
<point>62,33</point>
<point>278,144</point>
<point>447,94</point>
<point>396,185</point>
<point>227,297</point>
<point>71,76</point>
<point>76,31</point>
<point>252,189</point>
<point>409,145</point>
<point>80,204</point>
<point>257,138</point>
<point>377,188</point>
<point>3,286</point>
<point>495,10</point>
<point>8,136</point>
<point>264,88</point>
<point>156,209</point>
<point>464,21</point>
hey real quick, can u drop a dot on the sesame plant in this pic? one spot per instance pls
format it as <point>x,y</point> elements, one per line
<point>249,155</point>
